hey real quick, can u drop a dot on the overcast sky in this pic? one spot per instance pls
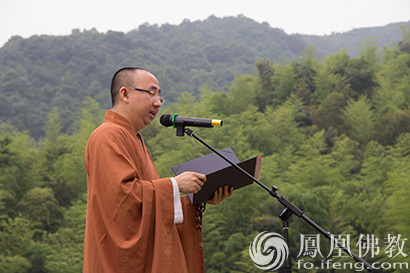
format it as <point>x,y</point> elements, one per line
<point>320,17</point>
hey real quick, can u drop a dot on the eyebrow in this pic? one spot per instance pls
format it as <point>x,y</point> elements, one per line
<point>154,88</point>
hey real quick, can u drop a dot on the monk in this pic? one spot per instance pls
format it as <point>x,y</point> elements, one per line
<point>137,221</point>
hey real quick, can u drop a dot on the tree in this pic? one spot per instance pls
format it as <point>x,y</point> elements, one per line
<point>391,99</point>
<point>266,71</point>
<point>15,236</point>
<point>329,115</point>
<point>55,143</point>
<point>242,93</point>
<point>284,80</point>
<point>18,155</point>
<point>404,45</point>
<point>277,128</point>
<point>398,187</point>
<point>305,73</point>
<point>40,206</point>
<point>359,120</point>
<point>366,191</point>
<point>15,264</point>
<point>362,71</point>
<point>67,243</point>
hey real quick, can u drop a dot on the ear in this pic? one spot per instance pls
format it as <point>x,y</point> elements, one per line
<point>123,94</point>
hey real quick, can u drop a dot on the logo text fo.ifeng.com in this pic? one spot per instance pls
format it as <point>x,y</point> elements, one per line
<point>269,251</point>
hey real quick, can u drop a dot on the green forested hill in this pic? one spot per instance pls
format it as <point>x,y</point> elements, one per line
<point>334,133</point>
<point>42,72</point>
<point>353,40</point>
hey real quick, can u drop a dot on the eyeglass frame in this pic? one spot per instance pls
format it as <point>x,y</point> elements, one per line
<point>152,93</point>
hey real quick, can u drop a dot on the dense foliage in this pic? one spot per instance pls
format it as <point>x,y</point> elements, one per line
<point>49,71</point>
<point>334,134</point>
<point>43,72</point>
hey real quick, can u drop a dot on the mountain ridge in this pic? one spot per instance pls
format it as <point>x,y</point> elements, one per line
<point>42,72</point>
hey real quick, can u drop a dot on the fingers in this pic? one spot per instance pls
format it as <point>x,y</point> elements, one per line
<point>220,194</point>
<point>197,187</point>
<point>230,192</point>
<point>225,193</point>
<point>199,181</point>
<point>190,182</point>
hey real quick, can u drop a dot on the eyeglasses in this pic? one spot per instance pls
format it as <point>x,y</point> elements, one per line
<point>152,93</point>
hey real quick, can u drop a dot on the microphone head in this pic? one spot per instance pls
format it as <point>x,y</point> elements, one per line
<point>166,120</point>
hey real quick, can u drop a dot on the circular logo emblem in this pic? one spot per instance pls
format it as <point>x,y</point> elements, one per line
<point>268,251</point>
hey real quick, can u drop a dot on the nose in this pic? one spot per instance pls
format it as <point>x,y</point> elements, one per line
<point>156,102</point>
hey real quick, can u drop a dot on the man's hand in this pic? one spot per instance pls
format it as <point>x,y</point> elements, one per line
<point>220,195</point>
<point>190,182</point>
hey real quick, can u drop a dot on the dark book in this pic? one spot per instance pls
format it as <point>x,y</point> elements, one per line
<point>219,173</point>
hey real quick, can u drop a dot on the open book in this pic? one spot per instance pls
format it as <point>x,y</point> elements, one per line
<point>219,173</point>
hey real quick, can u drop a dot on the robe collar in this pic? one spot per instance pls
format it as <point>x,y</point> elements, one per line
<point>111,116</point>
<point>114,117</point>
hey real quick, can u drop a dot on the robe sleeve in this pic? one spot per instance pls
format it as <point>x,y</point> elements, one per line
<point>178,216</point>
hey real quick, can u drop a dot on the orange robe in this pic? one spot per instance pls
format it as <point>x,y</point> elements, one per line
<point>130,209</point>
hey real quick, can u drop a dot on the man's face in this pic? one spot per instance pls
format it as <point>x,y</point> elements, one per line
<point>142,107</point>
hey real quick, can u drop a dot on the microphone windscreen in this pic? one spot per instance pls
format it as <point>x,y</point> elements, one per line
<point>166,120</point>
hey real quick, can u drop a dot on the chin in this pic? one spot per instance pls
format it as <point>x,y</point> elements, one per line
<point>148,122</point>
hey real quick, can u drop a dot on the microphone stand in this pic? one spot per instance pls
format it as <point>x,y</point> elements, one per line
<point>287,212</point>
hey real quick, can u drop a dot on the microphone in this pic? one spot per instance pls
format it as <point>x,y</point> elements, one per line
<point>175,121</point>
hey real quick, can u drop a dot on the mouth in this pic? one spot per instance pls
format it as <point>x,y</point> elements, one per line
<point>153,114</point>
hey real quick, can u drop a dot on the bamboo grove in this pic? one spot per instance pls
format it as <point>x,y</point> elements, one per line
<point>335,139</point>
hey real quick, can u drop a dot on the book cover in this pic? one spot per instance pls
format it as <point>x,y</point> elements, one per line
<point>219,173</point>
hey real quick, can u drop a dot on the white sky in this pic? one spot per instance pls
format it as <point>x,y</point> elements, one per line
<point>59,17</point>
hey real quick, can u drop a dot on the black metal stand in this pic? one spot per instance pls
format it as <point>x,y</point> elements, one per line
<point>288,210</point>
<point>284,216</point>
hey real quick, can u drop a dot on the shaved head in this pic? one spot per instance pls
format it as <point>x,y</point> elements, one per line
<point>123,77</point>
